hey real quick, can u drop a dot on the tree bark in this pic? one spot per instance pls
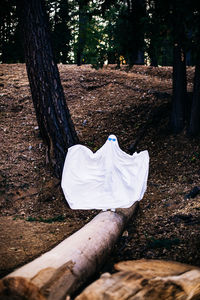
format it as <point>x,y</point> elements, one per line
<point>137,12</point>
<point>146,280</point>
<point>66,267</point>
<point>61,33</point>
<point>179,101</point>
<point>53,116</point>
<point>152,55</point>
<point>194,126</point>
<point>82,32</point>
<point>178,115</point>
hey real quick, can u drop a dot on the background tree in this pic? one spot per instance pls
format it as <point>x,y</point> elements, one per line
<point>179,104</point>
<point>129,32</point>
<point>60,29</point>
<point>82,29</point>
<point>194,123</point>
<point>158,35</point>
<point>53,116</point>
<point>10,43</point>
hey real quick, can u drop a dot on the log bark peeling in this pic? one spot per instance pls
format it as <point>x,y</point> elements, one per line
<point>146,280</point>
<point>65,268</point>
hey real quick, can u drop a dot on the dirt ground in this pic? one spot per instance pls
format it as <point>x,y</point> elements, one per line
<point>34,214</point>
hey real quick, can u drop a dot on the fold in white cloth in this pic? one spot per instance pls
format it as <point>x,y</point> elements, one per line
<point>108,178</point>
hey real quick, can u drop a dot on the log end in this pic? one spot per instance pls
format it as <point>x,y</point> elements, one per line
<point>19,288</point>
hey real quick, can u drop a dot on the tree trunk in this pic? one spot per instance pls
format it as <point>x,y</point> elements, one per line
<point>82,33</point>
<point>194,126</point>
<point>65,268</point>
<point>61,33</point>
<point>146,280</point>
<point>179,89</point>
<point>52,114</point>
<point>137,13</point>
<point>152,55</point>
<point>179,101</point>
<point>140,58</point>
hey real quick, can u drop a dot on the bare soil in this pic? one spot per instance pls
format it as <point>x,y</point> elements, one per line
<point>34,214</point>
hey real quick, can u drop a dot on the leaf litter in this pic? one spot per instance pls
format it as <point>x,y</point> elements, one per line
<point>34,214</point>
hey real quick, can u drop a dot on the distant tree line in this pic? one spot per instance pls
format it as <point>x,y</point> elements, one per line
<point>160,32</point>
<point>91,32</point>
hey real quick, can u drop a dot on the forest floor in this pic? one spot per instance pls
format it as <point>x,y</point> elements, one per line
<point>34,214</point>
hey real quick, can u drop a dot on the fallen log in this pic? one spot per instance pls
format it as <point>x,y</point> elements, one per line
<point>146,280</point>
<point>62,270</point>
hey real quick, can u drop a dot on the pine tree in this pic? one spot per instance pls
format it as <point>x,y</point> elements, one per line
<point>52,114</point>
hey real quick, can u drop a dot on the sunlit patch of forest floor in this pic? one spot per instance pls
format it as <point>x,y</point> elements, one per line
<point>34,214</point>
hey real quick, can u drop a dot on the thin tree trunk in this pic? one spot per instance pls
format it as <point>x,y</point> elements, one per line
<point>65,268</point>
<point>52,114</point>
<point>152,49</point>
<point>137,12</point>
<point>194,126</point>
<point>83,22</point>
<point>153,57</point>
<point>179,89</point>
<point>179,101</point>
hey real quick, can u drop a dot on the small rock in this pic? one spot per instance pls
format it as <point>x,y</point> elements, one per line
<point>125,233</point>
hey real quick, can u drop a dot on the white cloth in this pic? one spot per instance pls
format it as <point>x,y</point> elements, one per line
<point>108,178</point>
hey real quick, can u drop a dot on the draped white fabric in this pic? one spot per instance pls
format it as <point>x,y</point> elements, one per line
<point>106,179</point>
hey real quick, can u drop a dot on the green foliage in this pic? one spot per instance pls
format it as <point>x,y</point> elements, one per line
<point>94,52</point>
<point>113,46</point>
<point>92,32</point>
<point>59,218</point>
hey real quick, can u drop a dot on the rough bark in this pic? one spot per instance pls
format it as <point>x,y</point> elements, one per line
<point>66,267</point>
<point>53,116</point>
<point>146,280</point>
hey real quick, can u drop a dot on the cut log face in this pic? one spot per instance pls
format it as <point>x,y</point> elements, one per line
<point>146,280</point>
<point>19,288</point>
<point>66,267</point>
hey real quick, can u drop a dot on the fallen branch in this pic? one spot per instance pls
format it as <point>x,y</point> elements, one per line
<point>66,267</point>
